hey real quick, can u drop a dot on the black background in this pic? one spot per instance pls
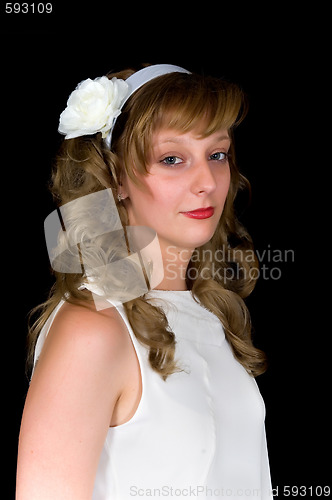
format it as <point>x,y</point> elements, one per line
<point>270,53</point>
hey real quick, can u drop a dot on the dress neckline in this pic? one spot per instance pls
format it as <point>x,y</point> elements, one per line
<point>170,294</point>
<point>171,291</point>
<point>187,317</point>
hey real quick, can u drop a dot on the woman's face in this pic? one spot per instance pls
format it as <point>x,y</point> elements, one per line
<point>183,195</point>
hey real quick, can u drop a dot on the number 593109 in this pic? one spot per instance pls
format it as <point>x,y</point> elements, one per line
<point>28,8</point>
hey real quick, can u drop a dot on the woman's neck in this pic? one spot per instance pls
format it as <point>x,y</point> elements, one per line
<point>175,263</point>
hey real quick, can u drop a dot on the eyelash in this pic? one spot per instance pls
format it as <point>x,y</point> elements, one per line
<point>223,160</point>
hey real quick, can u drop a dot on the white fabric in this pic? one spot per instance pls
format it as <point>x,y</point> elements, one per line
<point>201,433</point>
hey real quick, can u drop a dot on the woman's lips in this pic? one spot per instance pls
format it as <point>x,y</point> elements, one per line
<point>200,213</point>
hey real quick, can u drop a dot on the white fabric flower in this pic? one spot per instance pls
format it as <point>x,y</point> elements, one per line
<point>92,107</point>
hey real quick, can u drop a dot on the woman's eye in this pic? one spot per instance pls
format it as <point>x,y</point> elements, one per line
<point>171,160</point>
<point>220,156</point>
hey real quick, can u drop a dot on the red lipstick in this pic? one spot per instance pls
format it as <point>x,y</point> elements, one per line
<point>200,213</point>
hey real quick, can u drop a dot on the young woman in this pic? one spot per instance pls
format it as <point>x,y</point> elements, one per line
<point>147,389</point>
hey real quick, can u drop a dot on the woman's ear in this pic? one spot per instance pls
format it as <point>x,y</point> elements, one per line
<point>123,188</point>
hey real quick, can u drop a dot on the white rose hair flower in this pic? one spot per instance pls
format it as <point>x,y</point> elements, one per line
<point>92,107</point>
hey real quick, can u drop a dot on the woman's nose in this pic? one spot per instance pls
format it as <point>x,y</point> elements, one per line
<point>203,180</point>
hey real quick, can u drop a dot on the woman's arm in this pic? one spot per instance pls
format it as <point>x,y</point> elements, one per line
<point>73,393</point>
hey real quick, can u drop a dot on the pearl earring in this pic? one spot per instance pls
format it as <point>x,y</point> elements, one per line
<point>120,198</point>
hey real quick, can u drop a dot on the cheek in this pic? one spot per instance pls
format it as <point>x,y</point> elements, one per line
<point>145,202</point>
<point>223,183</point>
<point>162,192</point>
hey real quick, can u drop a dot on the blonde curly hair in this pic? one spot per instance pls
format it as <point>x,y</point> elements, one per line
<point>85,165</point>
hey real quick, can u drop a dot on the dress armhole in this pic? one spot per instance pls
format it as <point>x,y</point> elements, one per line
<point>141,354</point>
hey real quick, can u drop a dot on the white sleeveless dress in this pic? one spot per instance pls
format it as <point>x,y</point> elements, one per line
<point>200,433</point>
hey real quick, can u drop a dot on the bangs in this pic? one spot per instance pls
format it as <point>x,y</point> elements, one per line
<point>179,101</point>
<point>205,105</point>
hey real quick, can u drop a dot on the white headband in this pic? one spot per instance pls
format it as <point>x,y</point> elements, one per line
<point>95,104</point>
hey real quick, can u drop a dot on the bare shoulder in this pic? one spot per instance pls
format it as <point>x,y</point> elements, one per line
<point>83,319</point>
<point>79,326</point>
<point>86,352</point>
<point>81,374</point>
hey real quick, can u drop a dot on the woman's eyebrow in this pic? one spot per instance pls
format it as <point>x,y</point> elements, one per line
<point>223,138</point>
<point>177,140</point>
